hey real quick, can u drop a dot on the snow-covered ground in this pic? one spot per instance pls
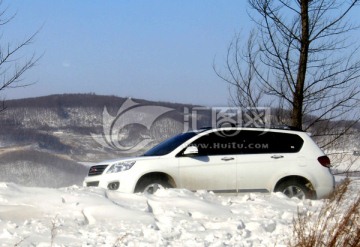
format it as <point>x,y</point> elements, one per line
<point>78,216</point>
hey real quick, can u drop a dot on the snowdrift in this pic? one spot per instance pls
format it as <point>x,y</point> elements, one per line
<point>78,216</point>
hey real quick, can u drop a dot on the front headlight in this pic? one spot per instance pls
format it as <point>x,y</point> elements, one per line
<point>121,166</point>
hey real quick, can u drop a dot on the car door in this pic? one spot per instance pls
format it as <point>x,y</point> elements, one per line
<point>213,168</point>
<point>264,156</point>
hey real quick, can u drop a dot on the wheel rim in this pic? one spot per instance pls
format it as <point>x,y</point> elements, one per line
<point>152,188</point>
<point>294,191</point>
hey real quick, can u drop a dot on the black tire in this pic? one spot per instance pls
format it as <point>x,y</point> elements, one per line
<point>294,188</point>
<point>150,186</point>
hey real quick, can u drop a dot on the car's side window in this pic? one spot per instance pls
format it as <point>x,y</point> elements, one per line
<point>257,142</point>
<point>217,143</point>
<point>247,142</point>
<point>286,143</point>
<point>253,142</point>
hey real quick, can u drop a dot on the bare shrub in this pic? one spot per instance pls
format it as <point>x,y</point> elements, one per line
<point>20,242</point>
<point>54,229</point>
<point>336,223</point>
<point>120,240</point>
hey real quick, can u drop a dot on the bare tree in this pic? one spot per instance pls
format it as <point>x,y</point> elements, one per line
<point>13,63</point>
<point>301,59</point>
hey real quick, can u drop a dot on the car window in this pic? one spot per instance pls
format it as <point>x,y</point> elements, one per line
<point>169,145</point>
<point>247,142</point>
<point>254,142</point>
<point>216,143</point>
<point>286,143</point>
<point>257,142</point>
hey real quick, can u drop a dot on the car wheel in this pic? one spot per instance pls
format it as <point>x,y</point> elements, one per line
<point>292,188</point>
<point>151,186</point>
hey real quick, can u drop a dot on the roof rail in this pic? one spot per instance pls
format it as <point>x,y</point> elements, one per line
<point>285,127</point>
<point>272,126</point>
<point>281,127</point>
<point>206,128</point>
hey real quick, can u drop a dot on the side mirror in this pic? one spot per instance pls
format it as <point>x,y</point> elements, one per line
<point>191,150</point>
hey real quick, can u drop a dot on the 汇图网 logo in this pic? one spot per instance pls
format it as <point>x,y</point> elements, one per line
<point>129,113</point>
<point>129,129</point>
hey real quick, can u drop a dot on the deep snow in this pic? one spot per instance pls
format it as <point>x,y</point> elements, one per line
<point>78,216</point>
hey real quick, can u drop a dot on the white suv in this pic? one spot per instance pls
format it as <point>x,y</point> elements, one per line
<point>224,160</point>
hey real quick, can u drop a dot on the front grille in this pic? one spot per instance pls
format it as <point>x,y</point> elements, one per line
<point>92,184</point>
<point>97,170</point>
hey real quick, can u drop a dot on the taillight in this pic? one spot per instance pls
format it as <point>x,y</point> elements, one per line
<point>324,161</point>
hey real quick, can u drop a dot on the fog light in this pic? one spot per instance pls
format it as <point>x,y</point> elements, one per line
<point>113,186</point>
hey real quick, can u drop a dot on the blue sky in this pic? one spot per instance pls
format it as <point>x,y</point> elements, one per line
<point>157,50</point>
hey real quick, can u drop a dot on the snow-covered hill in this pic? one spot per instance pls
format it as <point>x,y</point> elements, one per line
<point>66,124</point>
<point>34,168</point>
<point>72,125</point>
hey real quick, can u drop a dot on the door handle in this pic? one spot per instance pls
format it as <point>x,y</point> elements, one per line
<point>227,158</point>
<point>277,156</point>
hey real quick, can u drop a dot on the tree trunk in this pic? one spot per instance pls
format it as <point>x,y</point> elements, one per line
<point>297,111</point>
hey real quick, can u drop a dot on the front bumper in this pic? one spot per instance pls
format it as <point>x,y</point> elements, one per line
<point>116,181</point>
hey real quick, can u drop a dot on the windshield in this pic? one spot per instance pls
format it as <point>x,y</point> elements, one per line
<point>169,145</point>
